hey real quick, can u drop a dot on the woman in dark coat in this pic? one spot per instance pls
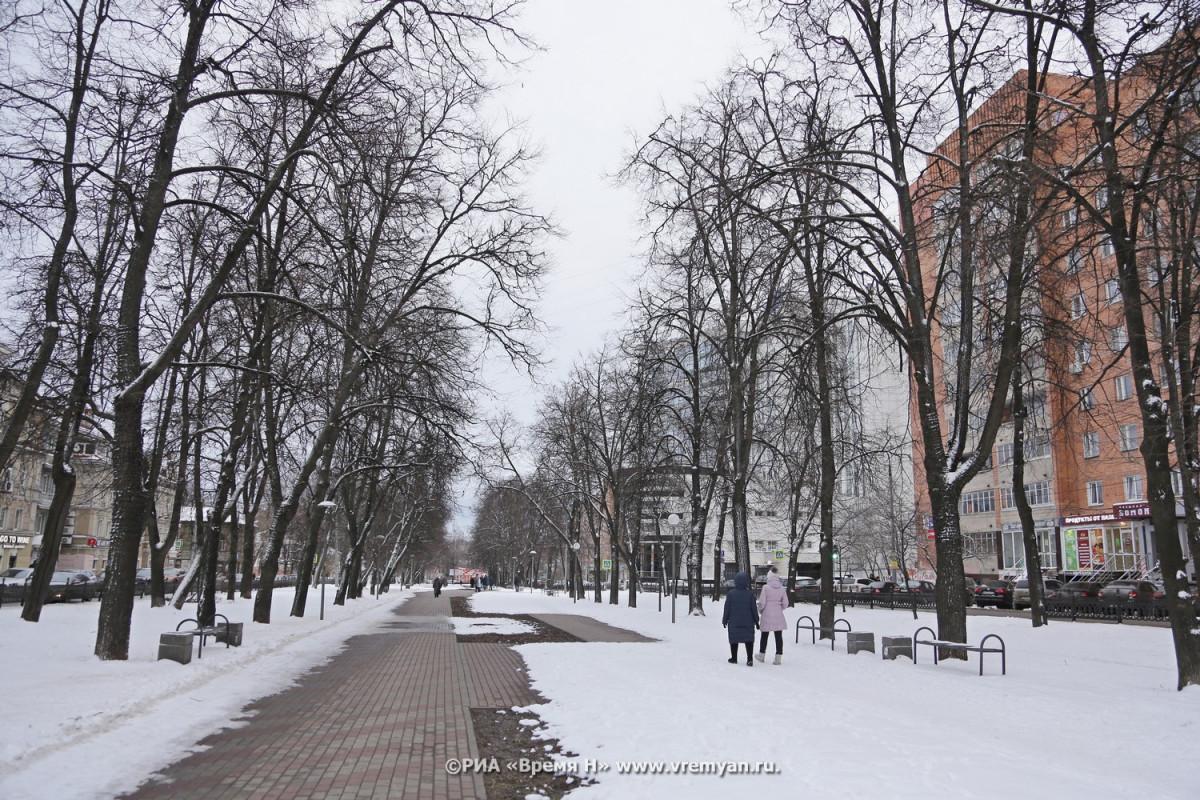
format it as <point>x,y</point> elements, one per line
<point>740,617</point>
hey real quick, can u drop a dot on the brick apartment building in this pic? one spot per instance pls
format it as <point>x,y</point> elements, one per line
<point>1084,474</point>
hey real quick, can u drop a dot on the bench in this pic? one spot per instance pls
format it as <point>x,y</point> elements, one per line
<point>981,648</point>
<point>176,646</point>
<point>857,641</point>
<point>228,632</point>
<point>894,646</point>
<point>814,627</point>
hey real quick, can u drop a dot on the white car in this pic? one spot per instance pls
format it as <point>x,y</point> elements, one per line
<point>16,575</point>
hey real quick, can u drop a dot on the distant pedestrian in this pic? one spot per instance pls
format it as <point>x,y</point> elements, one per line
<point>437,586</point>
<point>772,602</point>
<point>740,618</point>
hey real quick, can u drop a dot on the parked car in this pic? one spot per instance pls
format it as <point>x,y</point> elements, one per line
<point>851,584</point>
<point>1021,591</point>
<point>880,587</point>
<point>1072,591</point>
<point>16,575</point>
<point>969,585</point>
<point>924,588</point>
<point>997,593</point>
<point>66,586</point>
<point>805,582</point>
<point>172,577</point>
<point>1132,591</point>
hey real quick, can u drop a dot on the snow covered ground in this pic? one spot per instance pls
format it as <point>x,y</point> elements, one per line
<point>1109,721</point>
<point>74,727</point>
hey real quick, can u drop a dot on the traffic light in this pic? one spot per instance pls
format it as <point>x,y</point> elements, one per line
<point>835,554</point>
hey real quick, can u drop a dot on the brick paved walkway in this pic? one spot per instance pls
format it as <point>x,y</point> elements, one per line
<point>378,721</point>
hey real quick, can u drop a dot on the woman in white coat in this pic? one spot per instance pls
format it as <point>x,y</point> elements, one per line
<point>772,602</point>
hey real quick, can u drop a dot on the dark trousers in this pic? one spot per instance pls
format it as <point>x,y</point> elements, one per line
<point>762,642</point>
<point>733,649</point>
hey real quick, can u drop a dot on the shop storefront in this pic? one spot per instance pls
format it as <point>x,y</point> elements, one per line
<point>1115,541</point>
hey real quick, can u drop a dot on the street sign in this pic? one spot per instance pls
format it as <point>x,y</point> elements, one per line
<point>606,563</point>
<point>780,555</point>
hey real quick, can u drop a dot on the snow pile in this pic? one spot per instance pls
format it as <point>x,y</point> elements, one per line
<point>466,626</point>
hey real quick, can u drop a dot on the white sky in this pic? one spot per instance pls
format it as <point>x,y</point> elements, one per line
<point>609,73</point>
<point>835,725</point>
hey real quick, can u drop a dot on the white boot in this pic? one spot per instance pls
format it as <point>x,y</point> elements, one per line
<point>778,659</point>
<point>759,656</point>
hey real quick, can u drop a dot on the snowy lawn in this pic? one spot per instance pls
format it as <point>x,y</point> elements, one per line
<point>1108,720</point>
<point>77,727</point>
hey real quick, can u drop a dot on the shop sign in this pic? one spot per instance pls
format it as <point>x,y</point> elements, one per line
<point>13,540</point>
<point>1038,525</point>
<point>1137,510</point>
<point>1088,519</point>
<point>1084,546</point>
<point>1070,551</point>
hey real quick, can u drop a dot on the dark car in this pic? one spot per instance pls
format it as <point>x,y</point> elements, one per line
<point>1021,591</point>
<point>915,587</point>
<point>997,593</point>
<point>66,586</point>
<point>880,587</point>
<point>171,580</point>
<point>969,585</point>
<point>1131,591</point>
<point>1073,591</point>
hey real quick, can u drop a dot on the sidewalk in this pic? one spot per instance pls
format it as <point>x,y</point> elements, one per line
<point>378,721</point>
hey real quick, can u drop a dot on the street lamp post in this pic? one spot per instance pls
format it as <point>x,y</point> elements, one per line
<point>532,574</point>
<point>578,568</point>
<point>329,506</point>
<point>673,522</point>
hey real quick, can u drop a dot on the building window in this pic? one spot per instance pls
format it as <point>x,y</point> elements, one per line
<point>1038,493</point>
<point>1112,291</point>
<point>1074,261</point>
<point>1118,338</point>
<point>1176,486</point>
<point>3,516</point>
<point>1046,551</point>
<point>1012,549</point>
<point>1095,492</point>
<point>1006,498</point>
<point>977,502</point>
<point>1091,445</point>
<point>1037,447</point>
<point>1069,218</point>
<point>1129,437</point>
<point>85,448</point>
<point>1123,384</point>
<point>18,519</point>
<point>1078,306</point>
<point>980,545</point>
<point>1102,198</point>
<point>47,483</point>
<point>1133,487</point>
<point>1083,354</point>
<point>1004,453</point>
<point>1087,400</point>
<point>1106,246</point>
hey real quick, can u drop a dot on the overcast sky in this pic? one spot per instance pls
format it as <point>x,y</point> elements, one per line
<point>610,71</point>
